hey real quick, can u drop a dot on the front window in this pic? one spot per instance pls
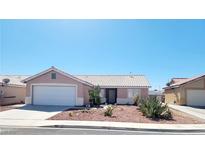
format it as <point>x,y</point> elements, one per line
<point>133,92</point>
<point>102,92</point>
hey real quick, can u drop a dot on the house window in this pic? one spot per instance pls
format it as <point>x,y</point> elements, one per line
<point>133,92</point>
<point>53,75</point>
<point>102,92</point>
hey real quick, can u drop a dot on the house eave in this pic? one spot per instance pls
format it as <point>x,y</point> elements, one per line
<point>12,85</point>
<point>59,71</point>
<point>124,86</point>
<point>171,87</point>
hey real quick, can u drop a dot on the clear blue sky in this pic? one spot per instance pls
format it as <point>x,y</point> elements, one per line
<point>159,49</point>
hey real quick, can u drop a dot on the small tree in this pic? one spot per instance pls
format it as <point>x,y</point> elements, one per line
<point>168,84</point>
<point>94,95</point>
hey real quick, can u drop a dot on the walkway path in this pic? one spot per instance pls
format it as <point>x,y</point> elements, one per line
<point>197,112</point>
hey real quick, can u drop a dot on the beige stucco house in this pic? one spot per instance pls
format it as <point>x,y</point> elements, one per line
<point>14,92</point>
<point>55,87</point>
<point>186,91</point>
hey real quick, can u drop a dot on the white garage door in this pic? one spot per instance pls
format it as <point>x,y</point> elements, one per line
<point>54,95</point>
<point>196,97</point>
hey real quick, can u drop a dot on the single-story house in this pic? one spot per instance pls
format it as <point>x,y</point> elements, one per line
<point>14,91</point>
<point>55,87</point>
<point>186,91</point>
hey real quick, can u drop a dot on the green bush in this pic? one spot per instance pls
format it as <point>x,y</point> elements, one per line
<point>109,111</point>
<point>136,100</point>
<point>152,108</point>
<point>94,96</point>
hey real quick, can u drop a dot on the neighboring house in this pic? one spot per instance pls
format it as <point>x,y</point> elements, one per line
<point>186,91</point>
<point>157,94</point>
<point>55,87</point>
<point>14,92</point>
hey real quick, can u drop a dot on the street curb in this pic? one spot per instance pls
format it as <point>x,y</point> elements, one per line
<point>126,128</point>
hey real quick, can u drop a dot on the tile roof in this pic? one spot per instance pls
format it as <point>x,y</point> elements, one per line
<point>184,81</point>
<point>14,79</point>
<point>116,80</point>
<point>175,80</point>
<point>102,80</point>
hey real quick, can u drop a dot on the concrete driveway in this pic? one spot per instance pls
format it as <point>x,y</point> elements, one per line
<point>32,112</point>
<point>194,111</point>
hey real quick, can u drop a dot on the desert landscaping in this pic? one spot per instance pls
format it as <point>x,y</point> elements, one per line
<point>123,113</point>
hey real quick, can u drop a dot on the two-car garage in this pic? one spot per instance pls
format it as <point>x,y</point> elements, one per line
<point>64,95</point>
<point>195,97</point>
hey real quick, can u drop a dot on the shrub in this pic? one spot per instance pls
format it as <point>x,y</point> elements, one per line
<point>85,111</point>
<point>70,114</point>
<point>109,111</point>
<point>136,100</point>
<point>152,108</point>
<point>94,96</point>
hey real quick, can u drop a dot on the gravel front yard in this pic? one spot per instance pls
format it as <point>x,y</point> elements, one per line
<point>123,113</point>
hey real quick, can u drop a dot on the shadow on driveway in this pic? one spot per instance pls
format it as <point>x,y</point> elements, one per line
<point>196,107</point>
<point>32,112</point>
<point>44,108</point>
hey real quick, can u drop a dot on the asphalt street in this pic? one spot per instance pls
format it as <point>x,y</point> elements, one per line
<point>81,131</point>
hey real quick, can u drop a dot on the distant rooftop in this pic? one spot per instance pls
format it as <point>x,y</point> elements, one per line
<point>176,80</point>
<point>156,92</point>
<point>182,81</point>
<point>14,79</point>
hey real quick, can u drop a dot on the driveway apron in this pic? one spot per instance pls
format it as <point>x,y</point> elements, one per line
<point>32,112</point>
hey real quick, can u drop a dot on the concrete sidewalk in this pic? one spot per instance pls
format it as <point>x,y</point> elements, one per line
<point>104,125</point>
<point>196,112</point>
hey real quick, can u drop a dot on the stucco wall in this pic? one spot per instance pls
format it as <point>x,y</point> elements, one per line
<point>195,84</point>
<point>179,94</point>
<point>86,94</point>
<point>122,93</point>
<point>172,95</point>
<point>46,78</point>
<point>144,92</point>
<point>17,95</point>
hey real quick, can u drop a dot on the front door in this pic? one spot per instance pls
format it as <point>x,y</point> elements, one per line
<point>111,96</point>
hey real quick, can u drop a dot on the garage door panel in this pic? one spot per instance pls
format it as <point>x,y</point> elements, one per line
<point>54,95</point>
<point>196,97</point>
